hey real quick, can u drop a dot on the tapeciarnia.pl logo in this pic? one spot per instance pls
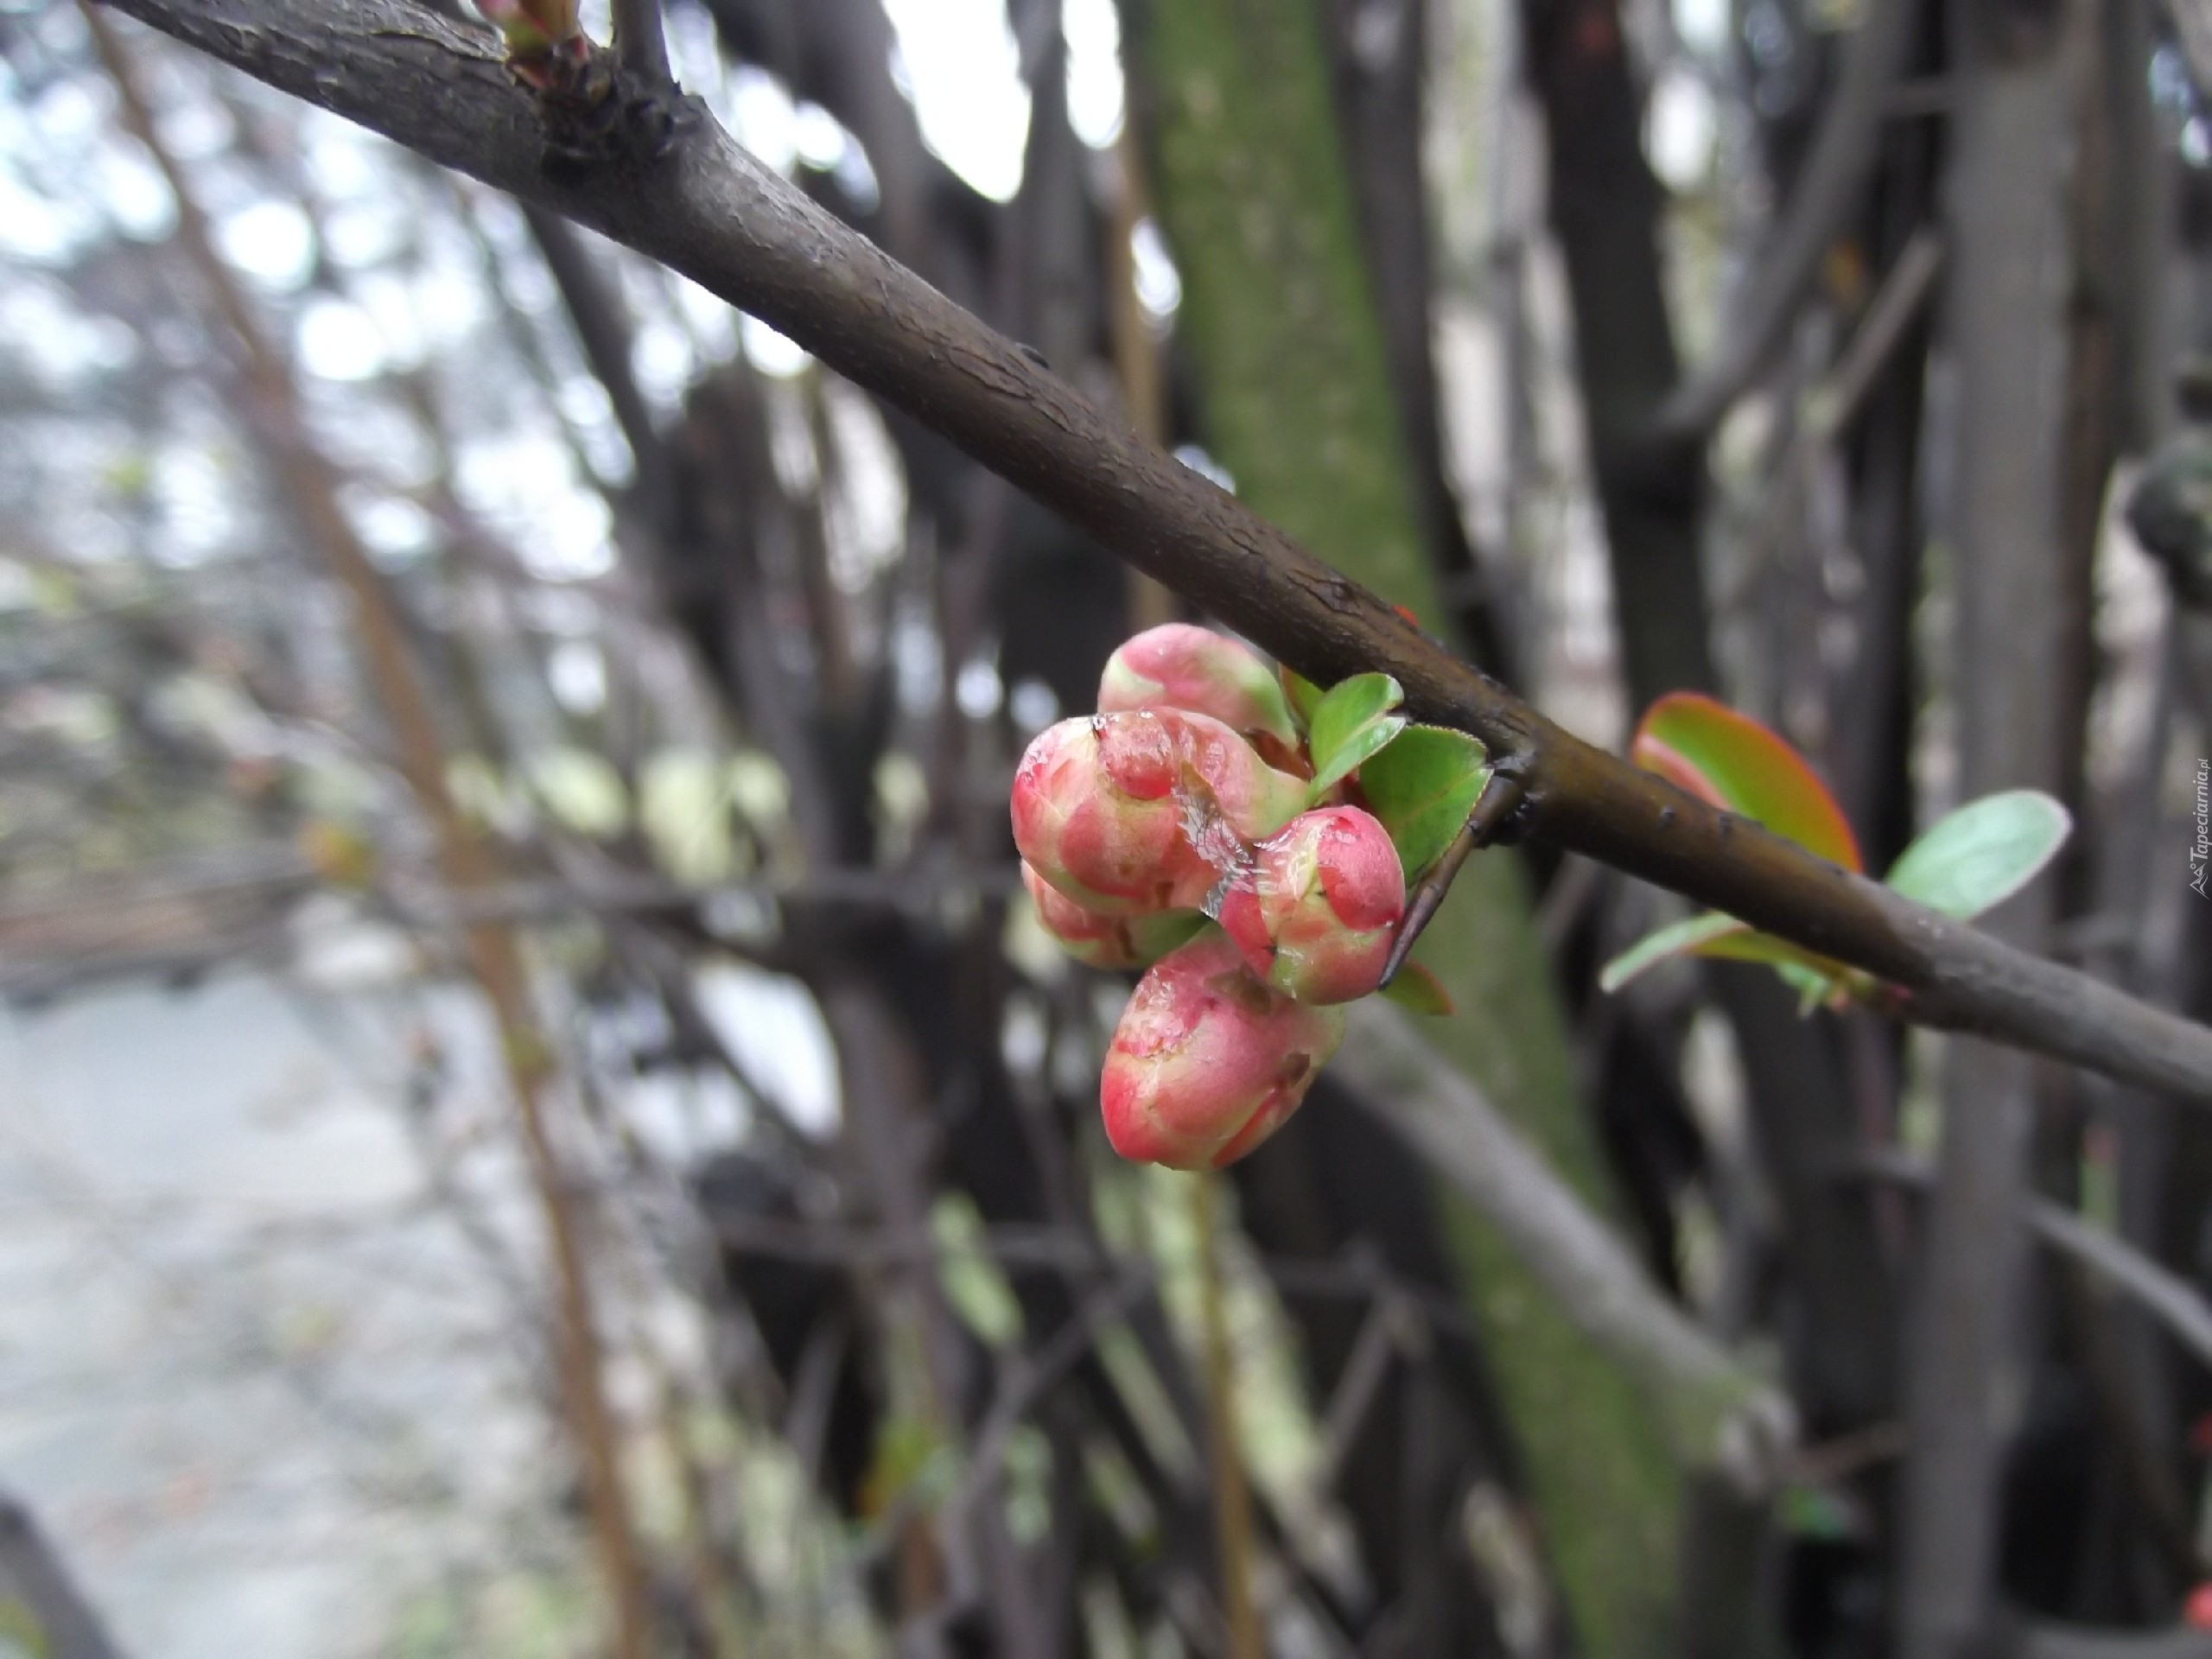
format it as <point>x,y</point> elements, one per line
<point>2200,855</point>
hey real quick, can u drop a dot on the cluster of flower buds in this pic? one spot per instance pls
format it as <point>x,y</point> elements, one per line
<point>1176,828</point>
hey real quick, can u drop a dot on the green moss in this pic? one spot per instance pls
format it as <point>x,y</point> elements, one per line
<point>1278,316</point>
<point>1256,202</point>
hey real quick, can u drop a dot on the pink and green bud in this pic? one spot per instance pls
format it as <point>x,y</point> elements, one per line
<point>1111,839</point>
<point>1316,913</point>
<point>1178,666</point>
<point>1208,1062</point>
<point>1219,777</point>
<point>1144,811</point>
<point>1109,942</point>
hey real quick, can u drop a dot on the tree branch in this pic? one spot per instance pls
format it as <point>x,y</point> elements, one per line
<point>2165,1295</point>
<point>1723,1415</point>
<point>709,211</point>
<point>638,43</point>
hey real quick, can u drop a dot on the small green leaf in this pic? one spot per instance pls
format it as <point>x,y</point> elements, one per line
<point>1683,939</point>
<point>1355,752</point>
<point>1715,934</point>
<point>1981,855</point>
<point>1305,697</point>
<point>1422,786</point>
<point>1350,723</point>
<point>1419,991</point>
<point>1735,763</point>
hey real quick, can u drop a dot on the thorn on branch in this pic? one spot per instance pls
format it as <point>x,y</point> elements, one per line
<point>1490,821</point>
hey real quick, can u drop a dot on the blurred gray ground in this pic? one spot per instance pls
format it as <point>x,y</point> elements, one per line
<point>266,1393</point>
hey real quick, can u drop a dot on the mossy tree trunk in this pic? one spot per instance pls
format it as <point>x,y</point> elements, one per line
<point>1279,322</point>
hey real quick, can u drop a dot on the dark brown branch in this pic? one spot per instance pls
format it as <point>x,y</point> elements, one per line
<point>1826,193</point>
<point>710,212</point>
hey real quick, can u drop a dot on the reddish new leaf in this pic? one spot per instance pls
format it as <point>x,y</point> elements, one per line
<point>1738,765</point>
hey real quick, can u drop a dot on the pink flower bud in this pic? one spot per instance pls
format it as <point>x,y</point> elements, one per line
<point>1144,811</point>
<point>1178,666</point>
<point>1110,840</point>
<point>1218,777</point>
<point>1316,913</point>
<point>1207,1061</point>
<point>1110,942</point>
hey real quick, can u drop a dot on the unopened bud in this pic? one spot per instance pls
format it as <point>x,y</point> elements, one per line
<point>1144,811</point>
<point>1109,942</point>
<point>532,28</point>
<point>1316,913</point>
<point>1178,666</point>
<point>1208,1062</point>
<point>1110,840</point>
<point>1218,777</point>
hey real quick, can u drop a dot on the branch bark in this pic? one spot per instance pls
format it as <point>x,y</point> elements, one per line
<point>2007,336</point>
<point>710,212</point>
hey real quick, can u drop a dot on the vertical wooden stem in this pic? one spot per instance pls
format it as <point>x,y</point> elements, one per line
<point>2008,145</point>
<point>1232,1501</point>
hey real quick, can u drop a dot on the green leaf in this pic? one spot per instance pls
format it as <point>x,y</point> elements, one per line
<point>1683,939</point>
<point>1422,786</point>
<point>1812,987</point>
<point>1305,697</point>
<point>1350,723</point>
<point>1981,855</point>
<point>1715,934</point>
<point>1419,991</point>
<point>1735,763</point>
<point>1355,752</point>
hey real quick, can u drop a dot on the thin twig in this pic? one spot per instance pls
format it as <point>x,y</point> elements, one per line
<point>1905,290</point>
<point>639,46</point>
<point>1826,190</point>
<point>2166,1296</point>
<point>1029,1378</point>
<point>1722,1415</point>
